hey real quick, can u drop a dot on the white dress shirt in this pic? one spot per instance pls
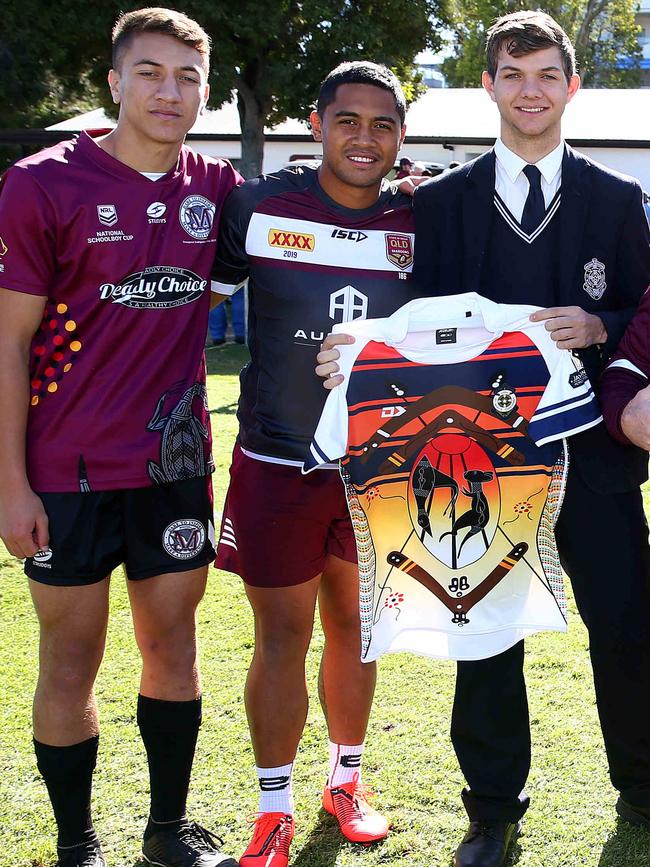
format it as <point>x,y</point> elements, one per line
<point>511,184</point>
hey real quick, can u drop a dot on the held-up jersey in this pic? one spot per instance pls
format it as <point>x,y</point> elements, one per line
<point>117,374</point>
<point>450,425</point>
<point>312,263</point>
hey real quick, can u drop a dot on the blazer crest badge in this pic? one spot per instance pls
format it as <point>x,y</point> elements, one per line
<point>595,283</point>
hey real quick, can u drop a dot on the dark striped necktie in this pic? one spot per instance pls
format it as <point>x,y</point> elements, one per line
<point>534,209</point>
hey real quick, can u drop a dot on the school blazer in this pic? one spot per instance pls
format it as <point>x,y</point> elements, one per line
<point>602,226</point>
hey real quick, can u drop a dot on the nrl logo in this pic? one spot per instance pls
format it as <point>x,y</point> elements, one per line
<point>107,214</point>
<point>399,250</point>
<point>595,283</point>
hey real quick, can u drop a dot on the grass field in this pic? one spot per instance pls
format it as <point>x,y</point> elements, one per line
<point>409,760</point>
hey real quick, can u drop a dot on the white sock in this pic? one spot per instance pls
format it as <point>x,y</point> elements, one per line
<point>276,794</point>
<point>345,763</point>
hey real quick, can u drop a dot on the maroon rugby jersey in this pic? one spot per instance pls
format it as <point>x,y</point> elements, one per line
<point>117,372</point>
<point>629,370</point>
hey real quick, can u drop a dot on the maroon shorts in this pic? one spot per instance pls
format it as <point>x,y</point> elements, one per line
<point>279,526</point>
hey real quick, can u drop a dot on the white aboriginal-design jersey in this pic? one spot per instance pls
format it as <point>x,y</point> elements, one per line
<point>451,428</point>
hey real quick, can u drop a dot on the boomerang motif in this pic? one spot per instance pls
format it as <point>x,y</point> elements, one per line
<point>460,607</point>
<point>453,395</point>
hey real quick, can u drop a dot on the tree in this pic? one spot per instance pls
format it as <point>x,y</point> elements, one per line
<point>273,55</point>
<point>604,33</point>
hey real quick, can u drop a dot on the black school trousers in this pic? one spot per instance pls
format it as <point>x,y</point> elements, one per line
<point>603,545</point>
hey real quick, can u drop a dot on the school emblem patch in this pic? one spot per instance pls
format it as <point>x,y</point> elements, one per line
<point>399,250</point>
<point>595,283</point>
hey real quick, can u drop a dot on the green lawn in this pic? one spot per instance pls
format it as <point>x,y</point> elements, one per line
<point>410,763</point>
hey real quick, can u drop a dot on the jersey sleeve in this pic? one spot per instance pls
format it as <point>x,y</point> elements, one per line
<point>629,370</point>
<point>568,404</point>
<point>27,234</point>
<point>231,266</point>
<point>330,441</point>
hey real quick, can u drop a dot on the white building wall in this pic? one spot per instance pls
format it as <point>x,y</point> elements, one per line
<point>630,161</point>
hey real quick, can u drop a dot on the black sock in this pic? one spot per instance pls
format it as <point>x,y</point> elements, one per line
<point>68,775</point>
<point>169,730</point>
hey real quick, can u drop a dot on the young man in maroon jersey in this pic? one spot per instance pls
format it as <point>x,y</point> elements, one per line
<point>104,439</point>
<point>319,246</point>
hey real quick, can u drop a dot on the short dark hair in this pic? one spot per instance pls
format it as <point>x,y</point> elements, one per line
<point>155,19</point>
<point>361,72</point>
<point>405,161</point>
<point>523,33</point>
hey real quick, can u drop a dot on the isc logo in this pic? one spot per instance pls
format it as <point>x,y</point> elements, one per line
<point>349,235</point>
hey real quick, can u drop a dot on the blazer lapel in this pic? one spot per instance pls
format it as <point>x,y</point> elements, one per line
<point>576,195</point>
<point>478,209</point>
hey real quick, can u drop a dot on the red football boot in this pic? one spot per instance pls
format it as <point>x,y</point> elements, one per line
<point>359,822</point>
<point>272,837</point>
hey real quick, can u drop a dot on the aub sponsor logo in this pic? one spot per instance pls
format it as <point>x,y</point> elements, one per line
<point>154,288</point>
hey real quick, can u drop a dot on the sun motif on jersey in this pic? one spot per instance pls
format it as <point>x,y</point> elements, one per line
<point>54,347</point>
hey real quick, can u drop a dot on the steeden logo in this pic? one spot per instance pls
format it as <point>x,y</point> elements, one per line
<point>41,558</point>
<point>291,240</point>
<point>156,210</point>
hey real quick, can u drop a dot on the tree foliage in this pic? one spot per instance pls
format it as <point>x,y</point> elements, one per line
<point>273,55</point>
<point>604,33</point>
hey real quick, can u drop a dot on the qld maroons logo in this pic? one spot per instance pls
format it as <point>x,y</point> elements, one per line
<point>184,539</point>
<point>399,250</point>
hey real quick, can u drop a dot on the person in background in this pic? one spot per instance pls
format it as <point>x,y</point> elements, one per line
<point>218,319</point>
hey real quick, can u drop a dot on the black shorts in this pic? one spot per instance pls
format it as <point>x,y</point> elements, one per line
<point>153,530</point>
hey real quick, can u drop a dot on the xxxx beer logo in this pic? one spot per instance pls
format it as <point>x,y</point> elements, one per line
<point>291,240</point>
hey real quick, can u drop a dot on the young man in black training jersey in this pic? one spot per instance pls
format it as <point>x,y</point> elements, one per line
<point>319,247</point>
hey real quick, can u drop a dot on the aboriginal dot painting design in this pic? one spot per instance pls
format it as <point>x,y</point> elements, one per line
<point>366,559</point>
<point>55,345</point>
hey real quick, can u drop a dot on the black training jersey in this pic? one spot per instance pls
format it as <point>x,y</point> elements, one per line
<point>312,264</point>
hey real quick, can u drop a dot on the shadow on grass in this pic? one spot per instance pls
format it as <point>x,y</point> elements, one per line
<point>514,853</point>
<point>627,847</point>
<point>227,409</point>
<point>323,844</point>
<point>226,360</point>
